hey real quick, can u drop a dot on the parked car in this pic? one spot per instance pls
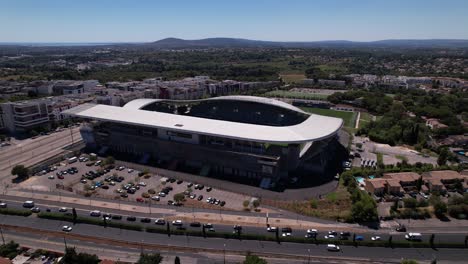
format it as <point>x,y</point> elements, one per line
<point>35,210</point>
<point>28,204</point>
<point>131,218</point>
<point>145,220</point>
<point>195,224</point>
<point>63,209</point>
<point>177,223</point>
<point>3,205</point>
<point>67,228</point>
<point>376,238</point>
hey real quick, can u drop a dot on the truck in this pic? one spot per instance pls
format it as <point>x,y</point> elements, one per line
<point>72,160</point>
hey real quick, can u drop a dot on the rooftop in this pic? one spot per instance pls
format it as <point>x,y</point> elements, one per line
<point>315,127</point>
<point>403,176</point>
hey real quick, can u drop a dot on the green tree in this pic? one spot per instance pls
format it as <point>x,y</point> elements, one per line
<point>443,156</point>
<point>71,257</point>
<point>9,250</point>
<point>252,259</point>
<point>109,160</point>
<point>409,261</point>
<point>20,171</point>
<point>256,203</point>
<point>179,197</point>
<point>177,260</point>
<point>150,258</point>
<point>410,202</point>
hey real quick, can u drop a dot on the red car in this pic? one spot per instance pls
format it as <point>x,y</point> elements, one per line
<point>140,200</point>
<point>61,177</point>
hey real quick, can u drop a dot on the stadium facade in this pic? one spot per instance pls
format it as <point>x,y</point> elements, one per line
<point>234,136</point>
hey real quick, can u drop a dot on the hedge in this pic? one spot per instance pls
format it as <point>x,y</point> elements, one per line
<point>90,221</point>
<point>19,212</point>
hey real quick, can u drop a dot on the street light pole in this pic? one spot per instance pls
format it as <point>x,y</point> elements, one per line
<point>308,259</point>
<point>224,253</point>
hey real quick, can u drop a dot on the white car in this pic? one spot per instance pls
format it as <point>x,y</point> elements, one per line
<point>177,222</point>
<point>63,209</point>
<point>161,194</point>
<point>272,229</point>
<point>312,231</point>
<point>333,247</point>
<point>142,183</point>
<point>130,170</point>
<point>376,238</point>
<point>51,177</point>
<point>67,228</point>
<point>329,237</point>
<point>156,198</point>
<point>286,234</point>
<point>95,213</point>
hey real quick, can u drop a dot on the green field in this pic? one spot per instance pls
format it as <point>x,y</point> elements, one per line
<point>296,95</point>
<point>365,119</point>
<point>348,117</point>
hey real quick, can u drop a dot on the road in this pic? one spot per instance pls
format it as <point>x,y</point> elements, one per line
<point>135,239</point>
<point>31,151</point>
<point>442,234</point>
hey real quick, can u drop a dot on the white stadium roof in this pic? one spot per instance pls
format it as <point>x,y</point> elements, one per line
<point>314,128</point>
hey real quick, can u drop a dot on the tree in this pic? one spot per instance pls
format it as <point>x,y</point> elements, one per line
<point>9,250</point>
<point>177,260</point>
<point>252,259</point>
<point>71,257</point>
<point>75,215</point>
<point>109,160</point>
<point>256,203</point>
<point>443,156</point>
<point>431,240</point>
<point>179,197</point>
<point>20,171</point>
<point>149,258</point>
<point>440,208</point>
<point>245,203</point>
<point>410,202</point>
<point>409,261</point>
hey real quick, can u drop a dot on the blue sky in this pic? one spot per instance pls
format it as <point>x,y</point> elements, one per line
<point>288,20</point>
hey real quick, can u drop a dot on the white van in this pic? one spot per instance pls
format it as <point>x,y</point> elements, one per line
<point>72,160</point>
<point>413,236</point>
<point>28,204</point>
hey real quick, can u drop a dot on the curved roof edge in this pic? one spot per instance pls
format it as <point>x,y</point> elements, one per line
<point>140,103</point>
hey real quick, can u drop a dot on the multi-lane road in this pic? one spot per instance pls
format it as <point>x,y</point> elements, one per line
<point>113,237</point>
<point>31,151</point>
<point>158,212</point>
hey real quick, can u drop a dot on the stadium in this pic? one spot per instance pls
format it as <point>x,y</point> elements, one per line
<point>240,138</point>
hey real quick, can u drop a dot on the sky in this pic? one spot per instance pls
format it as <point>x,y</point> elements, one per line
<point>288,20</point>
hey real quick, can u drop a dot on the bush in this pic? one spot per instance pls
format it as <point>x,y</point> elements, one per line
<point>11,211</point>
<point>410,202</point>
<point>313,203</point>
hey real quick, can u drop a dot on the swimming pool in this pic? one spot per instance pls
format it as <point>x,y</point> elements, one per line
<point>371,176</point>
<point>360,180</point>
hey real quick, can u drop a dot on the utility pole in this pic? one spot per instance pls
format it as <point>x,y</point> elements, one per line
<point>308,259</point>
<point>65,242</point>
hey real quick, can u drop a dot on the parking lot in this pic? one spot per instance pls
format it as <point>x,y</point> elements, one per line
<point>89,179</point>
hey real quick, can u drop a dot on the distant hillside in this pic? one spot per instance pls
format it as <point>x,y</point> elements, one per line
<point>176,43</point>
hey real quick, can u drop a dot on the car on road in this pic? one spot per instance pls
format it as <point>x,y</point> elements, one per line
<point>359,238</point>
<point>28,204</point>
<point>131,218</point>
<point>376,238</point>
<point>3,205</point>
<point>145,220</point>
<point>287,234</point>
<point>66,228</point>
<point>63,209</point>
<point>237,228</point>
<point>286,230</point>
<point>413,236</point>
<point>95,213</point>
<point>177,223</point>
<point>117,217</point>
<point>312,231</point>
<point>160,221</point>
<point>333,247</point>
<point>195,224</point>
<point>36,210</point>
<point>272,229</point>
<point>329,237</point>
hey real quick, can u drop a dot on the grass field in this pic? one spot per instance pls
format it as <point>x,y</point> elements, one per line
<point>364,119</point>
<point>292,77</point>
<point>348,117</point>
<point>296,95</point>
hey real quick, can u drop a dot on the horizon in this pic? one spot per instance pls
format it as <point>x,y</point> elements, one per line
<point>121,21</point>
